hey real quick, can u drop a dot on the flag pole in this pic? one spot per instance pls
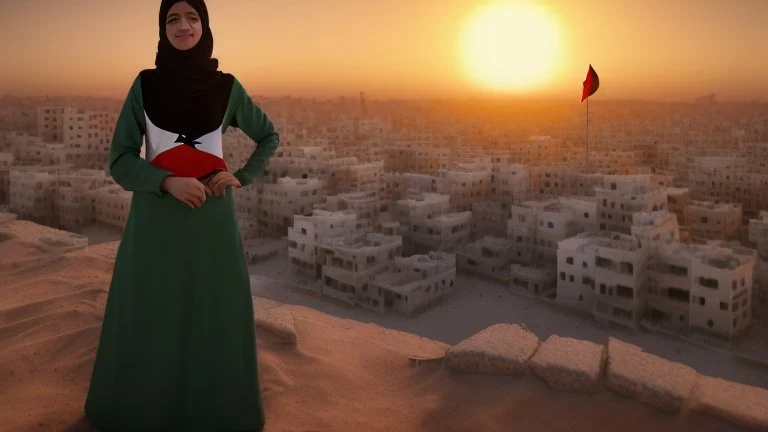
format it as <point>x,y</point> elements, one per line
<point>591,84</point>
<point>587,171</point>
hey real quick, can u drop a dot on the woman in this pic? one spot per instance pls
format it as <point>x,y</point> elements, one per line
<point>177,349</point>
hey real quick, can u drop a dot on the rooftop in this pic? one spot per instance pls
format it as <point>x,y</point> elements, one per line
<point>713,255</point>
<point>408,270</point>
<point>532,272</point>
<point>371,240</point>
<point>649,219</point>
<point>677,191</point>
<point>710,205</point>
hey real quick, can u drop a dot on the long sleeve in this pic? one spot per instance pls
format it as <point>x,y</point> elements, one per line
<point>257,126</point>
<point>126,166</point>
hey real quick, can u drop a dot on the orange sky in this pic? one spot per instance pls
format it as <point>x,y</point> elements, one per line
<point>656,49</point>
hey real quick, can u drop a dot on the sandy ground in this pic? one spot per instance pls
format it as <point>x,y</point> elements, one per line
<point>99,233</point>
<point>478,303</point>
<point>342,376</point>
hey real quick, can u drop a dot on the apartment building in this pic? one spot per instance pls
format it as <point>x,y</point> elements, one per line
<point>414,284</point>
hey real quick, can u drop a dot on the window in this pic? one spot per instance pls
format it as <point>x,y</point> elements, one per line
<point>627,268</point>
<point>624,291</point>
<point>723,306</point>
<point>562,276</point>
<point>569,260</point>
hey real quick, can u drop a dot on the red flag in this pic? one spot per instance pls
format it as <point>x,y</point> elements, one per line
<point>591,84</point>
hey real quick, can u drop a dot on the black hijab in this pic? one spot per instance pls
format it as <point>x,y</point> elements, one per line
<point>191,72</point>
<point>185,93</point>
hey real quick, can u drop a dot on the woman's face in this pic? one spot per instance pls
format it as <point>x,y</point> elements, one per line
<point>183,26</point>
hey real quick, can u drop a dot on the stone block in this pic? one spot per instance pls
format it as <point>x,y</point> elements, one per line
<point>501,349</point>
<point>569,364</point>
<point>744,406</point>
<point>648,378</point>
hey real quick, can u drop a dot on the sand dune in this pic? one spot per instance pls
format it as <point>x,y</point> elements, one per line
<point>339,375</point>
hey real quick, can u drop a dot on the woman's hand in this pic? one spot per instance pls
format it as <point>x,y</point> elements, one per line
<point>219,182</point>
<point>188,190</point>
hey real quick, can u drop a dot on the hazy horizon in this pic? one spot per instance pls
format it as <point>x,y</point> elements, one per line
<point>648,50</point>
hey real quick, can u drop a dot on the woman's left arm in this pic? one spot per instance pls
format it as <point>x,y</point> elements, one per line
<point>256,124</point>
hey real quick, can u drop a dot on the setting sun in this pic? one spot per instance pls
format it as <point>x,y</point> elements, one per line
<point>510,46</point>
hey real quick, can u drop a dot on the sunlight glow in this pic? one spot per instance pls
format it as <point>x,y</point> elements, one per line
<point>510,46</point>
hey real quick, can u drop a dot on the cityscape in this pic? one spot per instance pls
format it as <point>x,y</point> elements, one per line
<point>407,241</point>
<point>384,203</point>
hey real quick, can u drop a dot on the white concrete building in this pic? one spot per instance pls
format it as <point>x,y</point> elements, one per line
<point>416,208</point>
<point>416,159</point>
<point>758,235</point>
<point>620,201</point>
<point>308,233</point>
<point>576,271</point>
<point>677,203</point>
<point>556,221</point>
<point>33,193</point>
<point>522,227</point>
<point>509,183</point>
<point>365,204</point>
<point>279,202</point>
<point>392,192</point>
<point>111,205</point>
<point>490,218</point>
<point>538,226</point>
<point>414,284</point>
<point>620,280</point>
<point>655,229</point>
<point>489,256</point>
<point>465,185</point>
<point>51,122</point>
<point>351,263</point>
<point>6,161</point>
<point>443,233</point>
<point>74,209</point>
<point>534,280</point>
<point>721,289</point>
<point>419,183</point>
<point>714,221</point>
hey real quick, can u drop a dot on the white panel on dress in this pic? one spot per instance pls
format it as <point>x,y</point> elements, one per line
<point>160,140</point>
<point>211,143</point>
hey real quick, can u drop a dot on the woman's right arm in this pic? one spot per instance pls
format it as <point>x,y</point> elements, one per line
<point>126,165</point>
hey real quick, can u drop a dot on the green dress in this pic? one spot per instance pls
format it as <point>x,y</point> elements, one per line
<point>177,349</point>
